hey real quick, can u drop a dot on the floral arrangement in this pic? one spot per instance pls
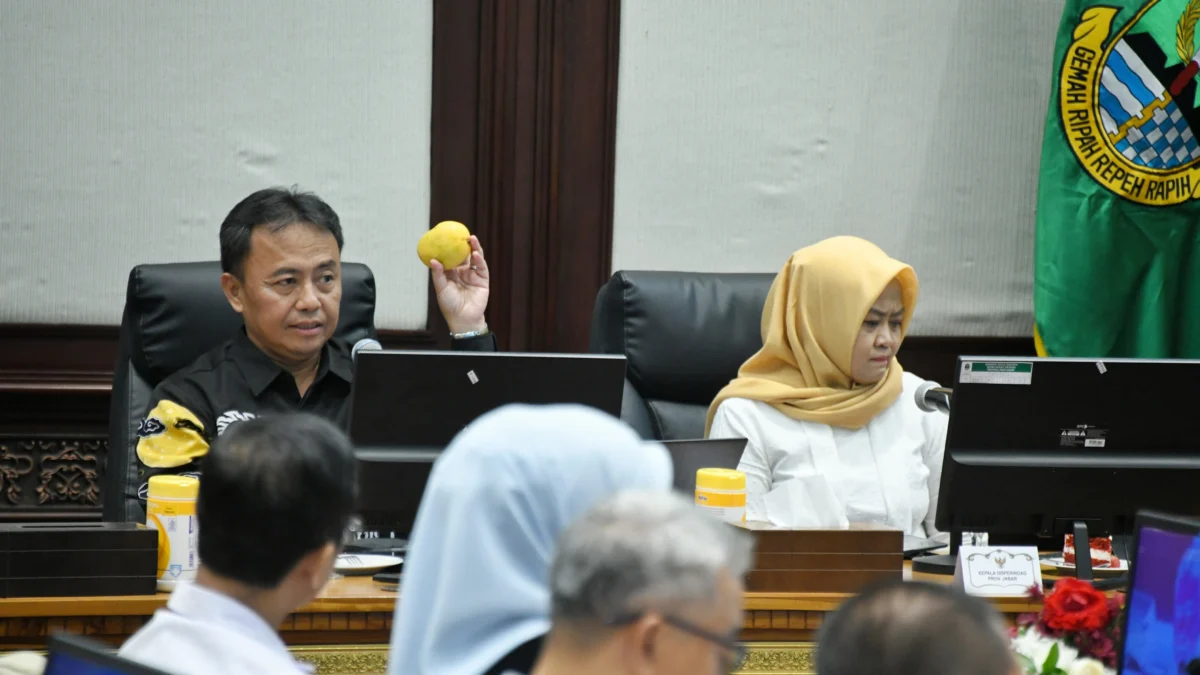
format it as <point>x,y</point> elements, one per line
<point>1077,632</point>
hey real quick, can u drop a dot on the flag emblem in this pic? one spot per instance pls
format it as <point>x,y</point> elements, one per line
<point>1128,100</point>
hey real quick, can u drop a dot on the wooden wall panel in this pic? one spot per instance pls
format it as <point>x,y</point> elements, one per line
<point>524,127</point>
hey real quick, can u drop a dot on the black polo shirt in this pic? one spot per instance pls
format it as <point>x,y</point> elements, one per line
<point>234,382</point>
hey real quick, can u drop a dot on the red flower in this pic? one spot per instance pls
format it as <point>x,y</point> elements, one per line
<point>1076,606</point>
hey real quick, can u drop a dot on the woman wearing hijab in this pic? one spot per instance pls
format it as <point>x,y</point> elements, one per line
<point>825,395</point>
<point>474,596</point>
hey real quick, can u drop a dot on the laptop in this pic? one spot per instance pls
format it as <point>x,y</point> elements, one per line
<point>1161,624</point>
<point>691,456</point>
<point>75,655</point>
<point>422,399</point>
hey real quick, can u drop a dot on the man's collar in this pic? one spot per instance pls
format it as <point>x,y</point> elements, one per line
<point>208,606</point>
<point>260,371</point>
<point>336,353</point>
<point>258,368</point>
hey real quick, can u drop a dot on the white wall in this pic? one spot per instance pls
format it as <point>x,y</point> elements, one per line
<point>129,129</point>
<point>746,130</point>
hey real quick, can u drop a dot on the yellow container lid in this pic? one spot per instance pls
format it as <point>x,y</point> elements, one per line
<point>720,479</point>
<point>173,487</point>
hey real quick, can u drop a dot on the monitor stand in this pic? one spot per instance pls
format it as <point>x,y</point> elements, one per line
<point>1083,563</point>
<point>945,564</point>
<point>941,564</point>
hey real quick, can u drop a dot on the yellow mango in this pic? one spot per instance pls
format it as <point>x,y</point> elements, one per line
<point>448,242</point>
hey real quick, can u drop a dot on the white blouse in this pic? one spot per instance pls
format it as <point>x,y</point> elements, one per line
<point>885,473</point>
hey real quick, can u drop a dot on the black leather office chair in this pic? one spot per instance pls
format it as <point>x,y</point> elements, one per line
<point>174,313</point>
<point>685,334</point>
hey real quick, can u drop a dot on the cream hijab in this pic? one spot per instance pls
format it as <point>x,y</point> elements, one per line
<point>810,323</point>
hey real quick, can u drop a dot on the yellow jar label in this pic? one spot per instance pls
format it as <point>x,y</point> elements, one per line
<point>178,549</point>
<point>705,498</point>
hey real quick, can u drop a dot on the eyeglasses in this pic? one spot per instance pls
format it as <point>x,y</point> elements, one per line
<point>731,645</point>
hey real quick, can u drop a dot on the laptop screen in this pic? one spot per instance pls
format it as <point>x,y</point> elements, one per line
<point>690,456</point>
<point>1163,606</point>
<point>69,664</point>
<point>76,655</point>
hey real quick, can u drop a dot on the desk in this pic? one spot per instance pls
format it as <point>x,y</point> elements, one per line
<point>346,630</point>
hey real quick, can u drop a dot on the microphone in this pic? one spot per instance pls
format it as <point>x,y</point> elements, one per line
<point>365,344</point>
<point>931,398</point>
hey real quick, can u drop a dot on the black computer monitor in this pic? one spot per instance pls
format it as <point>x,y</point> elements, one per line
<point>421,399</point>
<point>1161,629</point>
<point>1038,446</point>
<point>406,407</point>
<point>74,655</point>
<point>391,483</point>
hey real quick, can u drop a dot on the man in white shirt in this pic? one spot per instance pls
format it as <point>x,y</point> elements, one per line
<point>275,498</point>
<point>645,583</point>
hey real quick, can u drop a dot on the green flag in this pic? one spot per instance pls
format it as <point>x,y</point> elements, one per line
<point>1117,266</point>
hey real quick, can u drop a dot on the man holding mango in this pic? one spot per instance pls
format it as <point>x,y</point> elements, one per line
<point>281,264</point>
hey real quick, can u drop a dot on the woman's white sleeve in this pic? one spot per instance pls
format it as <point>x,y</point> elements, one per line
<point>735,419</point>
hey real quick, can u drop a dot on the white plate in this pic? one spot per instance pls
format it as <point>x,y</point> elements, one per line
<point>364,563</point>
<point>1057,562</point>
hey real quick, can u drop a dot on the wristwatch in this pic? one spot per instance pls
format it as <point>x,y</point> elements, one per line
<point>471,334</point>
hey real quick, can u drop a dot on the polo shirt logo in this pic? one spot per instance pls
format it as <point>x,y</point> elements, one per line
<point>229,417</point>
<point>151,426</point>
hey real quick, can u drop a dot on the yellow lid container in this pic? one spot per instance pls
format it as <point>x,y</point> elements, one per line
<point>723,493</point>
<point>173,487</point>
<point>720,479</point>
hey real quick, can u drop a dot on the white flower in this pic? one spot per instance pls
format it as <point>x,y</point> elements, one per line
<point>1087,666</point>
<point>1032,644</point>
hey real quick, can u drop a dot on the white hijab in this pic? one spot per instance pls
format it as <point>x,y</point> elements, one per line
<point>475,583</point>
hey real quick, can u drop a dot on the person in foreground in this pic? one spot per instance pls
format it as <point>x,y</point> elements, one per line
<point>282,271</point>
<point>826,399</point>
<point>474,588</point>
<point>646,584</point>
<point>912,628</point>
<point>274,501</point>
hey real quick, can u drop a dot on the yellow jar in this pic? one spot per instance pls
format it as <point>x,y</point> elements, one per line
<point>723,493</point>
<point>171,509</point>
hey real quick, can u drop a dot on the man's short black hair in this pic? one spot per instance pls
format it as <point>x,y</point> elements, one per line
<point>273,208</point>
<point>272,490</point>
<point>912,628</point>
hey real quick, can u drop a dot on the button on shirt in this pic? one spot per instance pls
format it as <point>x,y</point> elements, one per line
<point>202,632</point>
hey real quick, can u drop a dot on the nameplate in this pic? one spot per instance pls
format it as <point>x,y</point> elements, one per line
<point>998,572</point>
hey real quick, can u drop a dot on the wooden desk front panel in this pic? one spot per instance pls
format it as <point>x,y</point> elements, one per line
<point>347,629</point>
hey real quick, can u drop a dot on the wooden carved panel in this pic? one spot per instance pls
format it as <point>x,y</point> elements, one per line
<point>72,473</point>
<point>15,464</point>
<point>51,478</point>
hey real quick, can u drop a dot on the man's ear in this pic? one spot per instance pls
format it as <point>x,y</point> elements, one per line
<point>646,631</point>
<point>317,566</point>
<point>233,291</point>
